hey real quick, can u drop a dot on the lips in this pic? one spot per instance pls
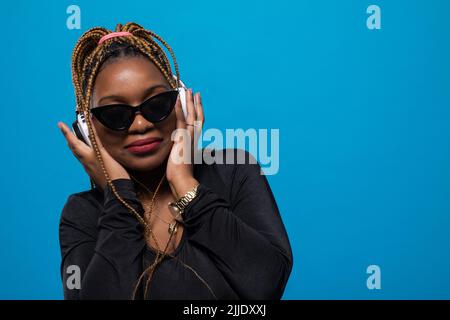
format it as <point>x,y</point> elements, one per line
<point>144,145</point>
<point>143,142</point>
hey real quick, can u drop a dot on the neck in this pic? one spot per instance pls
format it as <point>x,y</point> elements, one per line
<point>150,179</point>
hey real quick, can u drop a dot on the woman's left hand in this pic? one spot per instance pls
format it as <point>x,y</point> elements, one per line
<point>180,167</point>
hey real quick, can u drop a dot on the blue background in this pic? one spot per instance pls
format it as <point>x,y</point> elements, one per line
<point>363,116</point>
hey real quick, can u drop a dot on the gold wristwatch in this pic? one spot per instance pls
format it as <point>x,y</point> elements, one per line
<point>177,208</point>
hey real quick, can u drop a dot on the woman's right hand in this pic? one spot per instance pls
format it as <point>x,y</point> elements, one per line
<point>87,157</point>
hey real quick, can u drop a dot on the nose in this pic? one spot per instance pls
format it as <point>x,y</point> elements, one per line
<point>140,124</point>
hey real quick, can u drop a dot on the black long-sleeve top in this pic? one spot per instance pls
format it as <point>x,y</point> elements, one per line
<point>233,238</point>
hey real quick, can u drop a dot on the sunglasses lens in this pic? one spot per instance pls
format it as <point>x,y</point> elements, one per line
<point>120,117</point>
<point>158,107</point>
<point>115,117</point>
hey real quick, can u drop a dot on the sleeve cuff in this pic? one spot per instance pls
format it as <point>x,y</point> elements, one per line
<point>205,203</point>
<point>126,190</point>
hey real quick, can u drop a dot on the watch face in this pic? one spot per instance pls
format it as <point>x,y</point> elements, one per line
<point>175,211</point>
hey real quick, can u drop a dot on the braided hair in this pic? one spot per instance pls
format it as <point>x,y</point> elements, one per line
<point>88,58</point>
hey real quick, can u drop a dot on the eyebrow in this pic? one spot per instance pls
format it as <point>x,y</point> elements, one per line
<point>147,92</point>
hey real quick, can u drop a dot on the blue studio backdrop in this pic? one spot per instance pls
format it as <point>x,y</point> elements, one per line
<point>363,118</point>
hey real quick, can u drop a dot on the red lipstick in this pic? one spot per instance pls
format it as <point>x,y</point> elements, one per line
<point>144,145</point>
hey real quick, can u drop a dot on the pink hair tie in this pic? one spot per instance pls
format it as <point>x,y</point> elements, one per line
<point>114,34</point>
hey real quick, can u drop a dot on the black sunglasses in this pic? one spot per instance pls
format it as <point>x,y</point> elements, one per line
<point>119,117</point>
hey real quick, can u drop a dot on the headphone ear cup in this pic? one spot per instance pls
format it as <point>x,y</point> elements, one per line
<point>182,93</point>
<point>80,129</point>
<point>77,132</point>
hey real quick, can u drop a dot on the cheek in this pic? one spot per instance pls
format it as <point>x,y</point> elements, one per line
<point>112,142</point>
<point>168,126</point>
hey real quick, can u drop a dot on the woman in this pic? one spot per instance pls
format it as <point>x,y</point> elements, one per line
<point>152,227</point>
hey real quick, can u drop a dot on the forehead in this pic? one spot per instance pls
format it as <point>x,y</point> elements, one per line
<point>127,77</point>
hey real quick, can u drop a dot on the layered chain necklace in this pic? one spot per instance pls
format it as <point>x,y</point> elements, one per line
<point>173,225</point>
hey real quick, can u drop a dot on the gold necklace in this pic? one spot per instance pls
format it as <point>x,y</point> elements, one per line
<point>173,226</point>
<point>151,209</point>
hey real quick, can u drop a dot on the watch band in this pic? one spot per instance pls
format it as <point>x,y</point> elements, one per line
<point>183,202</point>
<point>188,197</point>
